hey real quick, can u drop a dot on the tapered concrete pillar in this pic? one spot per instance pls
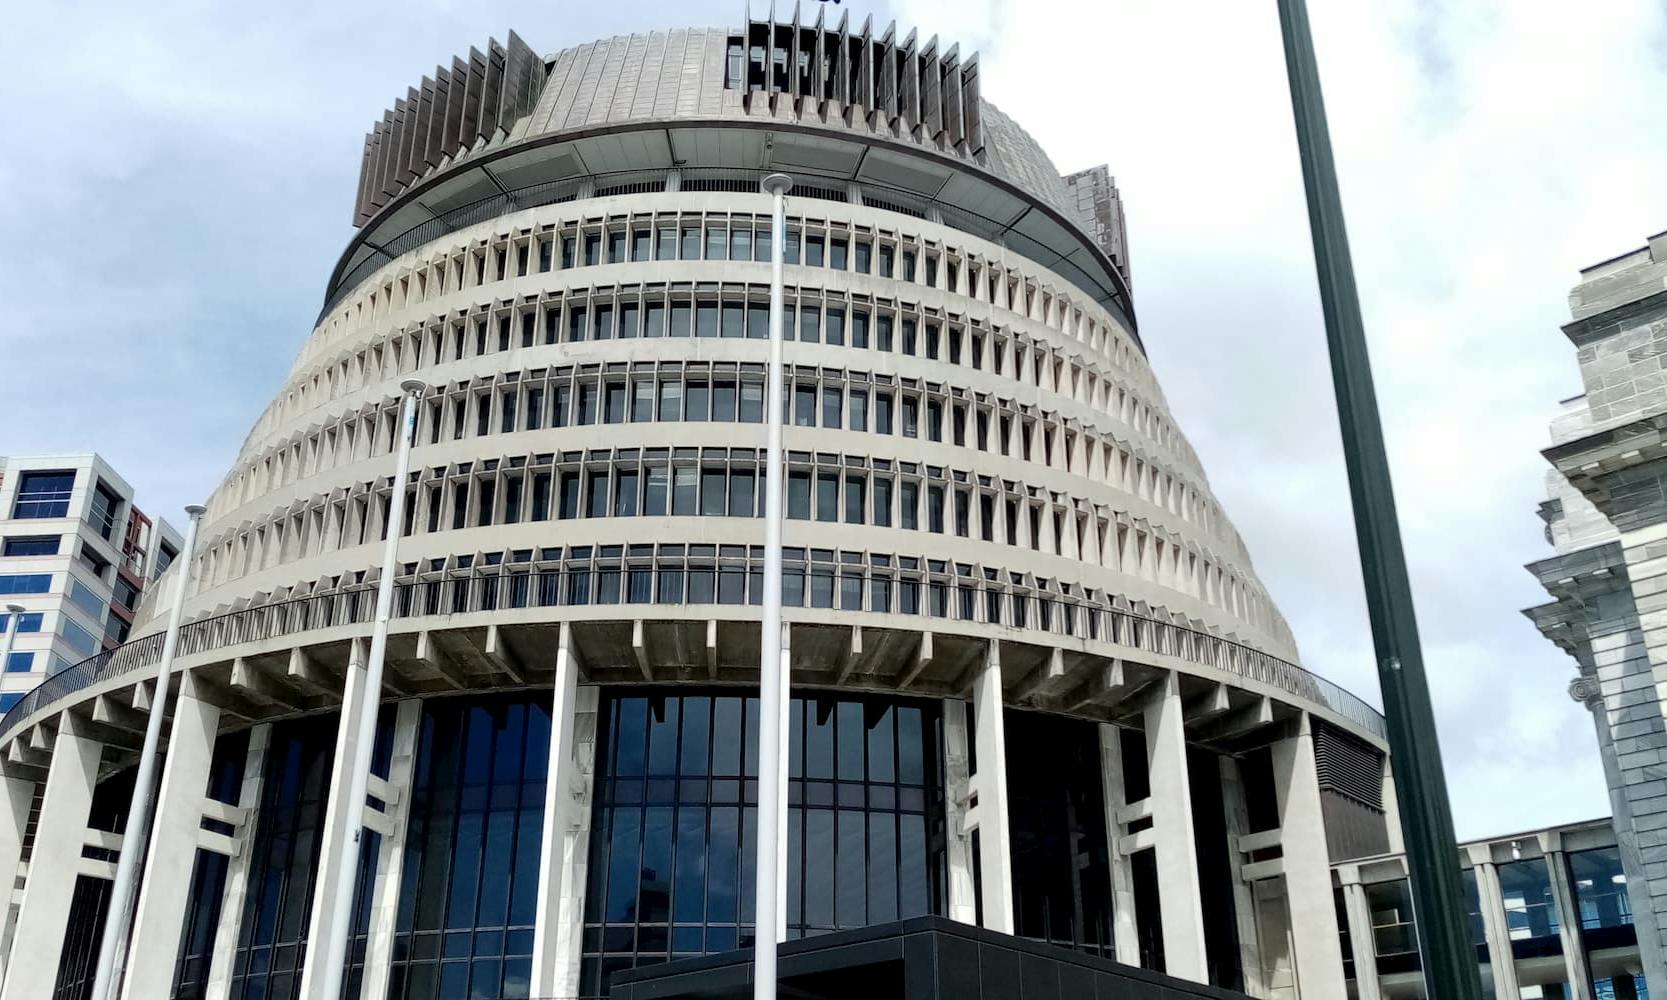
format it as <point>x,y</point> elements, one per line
<point>1176,855</point>
<point>1568,917</point>
<point>1125,930</point>
<point>1362,942</point>
<point>963,891</point>
<point>1237,812</point>
<point>235,897</point>
<point>559,925</point>
<point>17,793</point>
<point>390,858</point>
<point>1495,926</point>
<point>342,821</point>
<point>54,864</point>
<point>1307,864</point>
<point>989,784</point>
<point>164,894</point>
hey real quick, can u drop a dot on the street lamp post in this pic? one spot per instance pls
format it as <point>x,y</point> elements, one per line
<point>773,686</point>
<point>1449,959</point>
<point>353,823</point>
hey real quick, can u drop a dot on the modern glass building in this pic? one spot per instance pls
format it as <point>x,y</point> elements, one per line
<point>1550,916</point>
<point>1036,684</point>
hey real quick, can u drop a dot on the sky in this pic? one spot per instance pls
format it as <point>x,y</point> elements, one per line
<point>178,180</point>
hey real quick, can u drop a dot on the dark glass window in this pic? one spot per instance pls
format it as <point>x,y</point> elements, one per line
<point>470,878</point>
<point>32,545</point>
<point>43,494</point>
<point>672,832</point>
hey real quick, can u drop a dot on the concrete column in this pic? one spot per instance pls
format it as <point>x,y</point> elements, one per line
<point>1495,925</point>
<point>1392,809</point>
<point>342,821</point>
<point>963,897</point>
<point>54,864</point>
<point>1307,864</point>
<point>1176,853</point>
<point>1125,929</point>
<point>1362,942</point>
<point>164,894</point>
<point>390,858</point>
<point>236,894</point>
<point>995,848</point>
<point>1568,917</point>
<point>17,793</point>
<point>561,872</point>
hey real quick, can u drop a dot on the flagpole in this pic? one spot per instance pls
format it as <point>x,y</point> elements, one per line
<point>353,823</point>
<point>119,918</point>
<point>1449,959</point>
<point>772,684</point>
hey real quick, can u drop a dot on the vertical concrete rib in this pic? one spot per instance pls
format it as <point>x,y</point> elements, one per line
<point>989,783</point>
<point>1307,863</point>
<point>1177,857</point>
<point>390,858</point>
<point>164,895</point>
<point>55,864</point>
<point>230,926</point>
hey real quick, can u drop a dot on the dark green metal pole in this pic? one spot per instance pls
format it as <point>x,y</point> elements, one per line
<point>1449,957</point>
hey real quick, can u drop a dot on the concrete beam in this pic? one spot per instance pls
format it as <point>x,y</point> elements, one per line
<point>923,659</point>
<point>305,673</point>
<point>1048,677</point>
<point>439,662</point>
<point>110,711</point>
<point>1209,705</point>
<point>1109,682</point>
<point>498,652</point>
<point>253,683</point>
<point>1240,722</point>
<point>639,649</point>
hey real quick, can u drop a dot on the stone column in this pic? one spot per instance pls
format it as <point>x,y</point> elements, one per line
<point>236,893</point>
<point>159,918</point>
<point>1174,846</point>
<point>17,794</point>
<point>1363,944</point>
<point>1495,926</point>
<point>342,822</point>
<point>1125,929</point>
<point>1568,916</point>
<point>54,864</point>
<point>995,853</point>
<point>390,858</point>
<point>963,892</point>
<point>1306,861</point>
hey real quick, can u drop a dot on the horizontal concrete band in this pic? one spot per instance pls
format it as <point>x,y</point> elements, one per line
<point>276,660</point>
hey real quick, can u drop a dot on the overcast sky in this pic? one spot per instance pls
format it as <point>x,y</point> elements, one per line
<point>176,182</point>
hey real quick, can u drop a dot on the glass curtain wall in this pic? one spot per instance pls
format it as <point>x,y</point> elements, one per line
<point>674,827</point>
<point>469,888</point>
<point>90,901</point>
<point>208,875</point>
<point>1056,810</point>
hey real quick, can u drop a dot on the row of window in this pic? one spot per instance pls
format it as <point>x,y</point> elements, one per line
<point>730,311</point>
<point>43,494</point>
<point>658,483</point>
<point>25,583</point>
<point>828,398</point>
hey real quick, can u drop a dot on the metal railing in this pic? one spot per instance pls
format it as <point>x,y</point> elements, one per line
<point>507,589</point>
<point>910,203</point>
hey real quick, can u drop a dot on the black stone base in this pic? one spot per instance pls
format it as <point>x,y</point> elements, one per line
<point>929,958</point>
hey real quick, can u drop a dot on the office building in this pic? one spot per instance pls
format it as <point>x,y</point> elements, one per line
<point>76,555</point>
<point>1037,685</point>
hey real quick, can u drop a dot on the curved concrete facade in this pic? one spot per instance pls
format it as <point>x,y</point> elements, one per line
<point>991,514</point>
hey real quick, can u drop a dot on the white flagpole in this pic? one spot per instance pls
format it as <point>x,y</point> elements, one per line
<point>119,918</point>
<point>347,870</point>
<point>772,684</point>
